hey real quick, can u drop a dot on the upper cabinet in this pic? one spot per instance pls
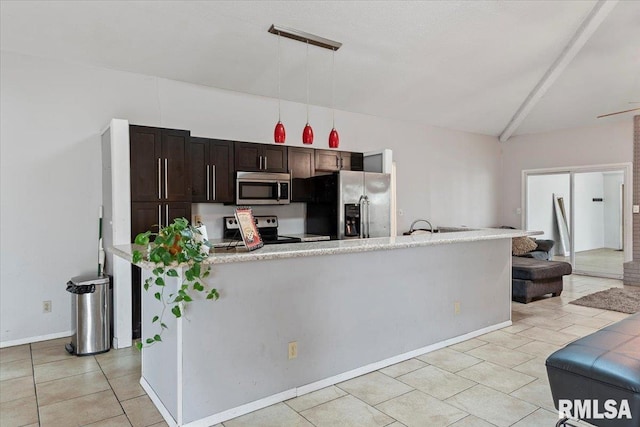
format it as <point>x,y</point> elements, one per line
<point>212,170</point>
<point>331,161</point>
<point>252,157</point>
<point>301,166</point>
<point>160,164</point>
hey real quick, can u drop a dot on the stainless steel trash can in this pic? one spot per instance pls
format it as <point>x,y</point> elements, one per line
<point>91,312</point>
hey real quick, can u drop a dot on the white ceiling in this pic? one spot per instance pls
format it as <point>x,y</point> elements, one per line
<point>465,65</point>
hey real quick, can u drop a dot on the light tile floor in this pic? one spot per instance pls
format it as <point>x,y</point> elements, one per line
<point>597,261</point>
<point>497,379</point>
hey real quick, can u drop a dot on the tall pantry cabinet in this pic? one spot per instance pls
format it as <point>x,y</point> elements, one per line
<point>160,188</point>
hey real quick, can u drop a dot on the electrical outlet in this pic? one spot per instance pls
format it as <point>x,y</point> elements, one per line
<point>456,307</point>
<point>46,306</point>
<point>197,219</point>
<point>293,349</point>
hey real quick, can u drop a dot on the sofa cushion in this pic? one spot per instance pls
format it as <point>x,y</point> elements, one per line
<point>535,269</point>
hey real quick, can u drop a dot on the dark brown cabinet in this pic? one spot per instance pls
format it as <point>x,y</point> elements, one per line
<point>148,215</point>
<point>160,189</point>
<point>301,166</point>
<point>160,169</point>
<point>212,174</point>
<point>331,161</point>
<point>252,157</point>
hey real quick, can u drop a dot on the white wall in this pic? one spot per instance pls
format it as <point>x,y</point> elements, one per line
<point>606,144</point>
<point>52,113</point>
<point>541,213</point>
<point>613,209</point>
<point>589,215</point>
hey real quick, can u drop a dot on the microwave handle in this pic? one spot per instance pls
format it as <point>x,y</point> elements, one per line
<point>279,190</point>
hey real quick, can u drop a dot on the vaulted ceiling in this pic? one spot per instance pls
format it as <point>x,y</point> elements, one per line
<point>465,65</point>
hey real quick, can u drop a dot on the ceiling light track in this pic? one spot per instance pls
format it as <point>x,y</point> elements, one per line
<point>303,37</point>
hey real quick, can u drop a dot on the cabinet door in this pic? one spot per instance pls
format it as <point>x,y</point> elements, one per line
<point>145,149</point>
<point>222,175</point>
<point>301,166</point>
<point>327,161</point>
<point>199,168</point>
<point>357,161</point>
<point>274,158</point>
<point>176,161</point>
<point>176,210</point>
<point>248,156</point>
<point>145,216</point>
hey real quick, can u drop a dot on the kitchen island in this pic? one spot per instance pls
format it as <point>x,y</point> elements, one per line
<point>352,307</point>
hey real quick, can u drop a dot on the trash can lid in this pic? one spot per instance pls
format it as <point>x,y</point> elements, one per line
<point>90,279</point>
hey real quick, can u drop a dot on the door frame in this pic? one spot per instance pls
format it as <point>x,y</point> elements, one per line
<point>627,169</point>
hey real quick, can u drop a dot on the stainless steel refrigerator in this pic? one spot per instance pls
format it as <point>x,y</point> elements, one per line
<point>350,205</point>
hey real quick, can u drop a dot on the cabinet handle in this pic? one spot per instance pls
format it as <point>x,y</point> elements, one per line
<point>341,163</point>
<point>265,163</point>
<point>337,162</point>
<point>213,174</point>
<point>159,216</point>
<point>166,178</point>
<point>260,163</point>
<point>208,180</point>
<point>159,179</point>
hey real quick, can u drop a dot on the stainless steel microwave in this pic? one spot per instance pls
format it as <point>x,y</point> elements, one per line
<point>262,188</point>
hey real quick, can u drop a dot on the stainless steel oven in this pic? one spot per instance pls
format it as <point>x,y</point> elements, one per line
<point>261,188</point>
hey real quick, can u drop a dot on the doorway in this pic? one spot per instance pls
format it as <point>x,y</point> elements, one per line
<point>586,211</point>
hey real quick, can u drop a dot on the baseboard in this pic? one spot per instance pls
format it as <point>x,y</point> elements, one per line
<point>30,340</point>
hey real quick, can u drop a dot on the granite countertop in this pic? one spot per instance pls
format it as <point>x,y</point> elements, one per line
<point>331,247</point>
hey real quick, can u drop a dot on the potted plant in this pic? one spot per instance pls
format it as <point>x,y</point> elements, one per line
<point>179,244</point>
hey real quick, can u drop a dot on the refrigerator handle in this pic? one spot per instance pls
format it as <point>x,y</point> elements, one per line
<point>361,203</point>
<point>366,199</point>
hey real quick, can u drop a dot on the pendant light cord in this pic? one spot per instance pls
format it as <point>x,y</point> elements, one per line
<point>307,81</point>
<point>279,78</point>
<point>333,86</point>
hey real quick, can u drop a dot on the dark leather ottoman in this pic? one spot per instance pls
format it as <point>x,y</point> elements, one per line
<point>531,278</point>
<point>604,365</point>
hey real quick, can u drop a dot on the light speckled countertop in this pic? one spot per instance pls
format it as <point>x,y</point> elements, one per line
<point>294,250</point>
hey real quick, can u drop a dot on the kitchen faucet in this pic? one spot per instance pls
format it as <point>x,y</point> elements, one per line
<point>411,229</point>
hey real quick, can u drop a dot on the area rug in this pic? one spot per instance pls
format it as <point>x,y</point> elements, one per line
<point>615,299</point>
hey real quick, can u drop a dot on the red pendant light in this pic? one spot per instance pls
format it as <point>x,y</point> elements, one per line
<point>334,138</point>
<point>307,132</point>
<point>279,134</point>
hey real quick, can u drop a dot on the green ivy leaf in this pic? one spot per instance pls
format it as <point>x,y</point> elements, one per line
<point>146,286</point>
<point>198,286</point>
<point>136,257</point>
<point>155,319</point>
<point>149,341</point>
<point>187,298</point>
<point>139,345</point>
<point>163,326</point>
<point>158,296</point>
<point>159,281</point>
<point>142,238</point>
<point>157,338</point>
<point>176,311</point>
<point>172,273</point>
